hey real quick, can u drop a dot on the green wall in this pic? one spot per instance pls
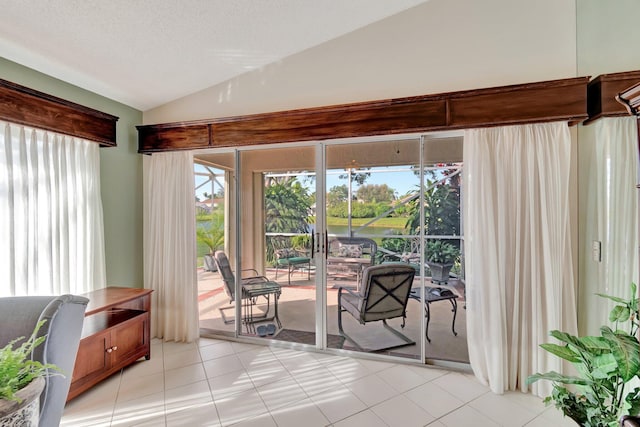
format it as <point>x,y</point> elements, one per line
<point>120,173</point>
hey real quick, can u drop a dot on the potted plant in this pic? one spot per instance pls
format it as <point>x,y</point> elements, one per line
<point>22,381</point>
<point>212,236</point>
<point>600,393</point>
<point>440,258</point>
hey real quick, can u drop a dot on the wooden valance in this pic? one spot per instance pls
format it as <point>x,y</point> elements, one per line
<point>602,94</point>
<point>25,106</point>
<point>630,99</point>
<point>554,100</point>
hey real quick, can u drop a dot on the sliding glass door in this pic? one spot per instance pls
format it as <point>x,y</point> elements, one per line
<point>303,224</point>
<point>372,189</point>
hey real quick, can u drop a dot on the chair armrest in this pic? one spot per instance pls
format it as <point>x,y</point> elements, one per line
<point>349,291</point>
<point>253,270</point>
<point>254,279</point>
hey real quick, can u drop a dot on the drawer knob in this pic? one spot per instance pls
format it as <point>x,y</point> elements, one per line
<point>109,350</point>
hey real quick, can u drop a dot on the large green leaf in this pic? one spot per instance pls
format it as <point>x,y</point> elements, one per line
<point>594,345</point>
<point>612,298</point>
<point>559,378</point>
<point>562,351</point>
<point>604,366</point>
<point>619,313</point>
<point>625,350</point>
<point>569,339</point>
<point>633,401</point>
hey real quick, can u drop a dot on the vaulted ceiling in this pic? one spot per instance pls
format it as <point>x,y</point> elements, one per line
<point>145,53</point>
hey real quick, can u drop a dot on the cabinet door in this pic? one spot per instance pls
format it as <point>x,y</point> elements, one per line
<point>128,340</point>
<point>92,358</point>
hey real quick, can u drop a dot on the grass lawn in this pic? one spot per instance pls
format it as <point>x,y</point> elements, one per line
<point>395,222</point>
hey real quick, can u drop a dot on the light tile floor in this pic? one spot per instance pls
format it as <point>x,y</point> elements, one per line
<point>222,383</point>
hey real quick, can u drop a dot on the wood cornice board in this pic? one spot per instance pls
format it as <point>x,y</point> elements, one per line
<point>602,94</point>
<point>25,106</point>
<point>554,100</point>
<point>630,99</point>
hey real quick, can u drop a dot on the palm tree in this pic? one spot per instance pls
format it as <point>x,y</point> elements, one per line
<point>212,235</point>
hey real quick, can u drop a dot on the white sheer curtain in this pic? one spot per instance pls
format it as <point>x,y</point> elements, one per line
<point>170,245</point>
<point>608,148</point>
<point>517,246</point>
<point>51,225</point>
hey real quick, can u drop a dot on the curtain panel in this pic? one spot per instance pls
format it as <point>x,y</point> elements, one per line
<point>51,223</point>
<point>609,158</point>
<point>519,274</point>
<point>170,245</point>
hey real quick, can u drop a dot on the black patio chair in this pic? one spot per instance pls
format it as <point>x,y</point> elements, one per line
<point>252,287</point>
<point>384,293</point>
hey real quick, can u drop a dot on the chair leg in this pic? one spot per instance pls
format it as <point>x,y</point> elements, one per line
<point>224,317</point>
<point>341,331</point>
<point>399,334</point>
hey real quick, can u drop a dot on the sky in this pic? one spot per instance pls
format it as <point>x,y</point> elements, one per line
<point>401,180</point>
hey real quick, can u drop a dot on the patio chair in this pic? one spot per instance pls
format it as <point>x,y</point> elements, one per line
<point>289,257</point>
<point>384,293</point>
<point>253,287</point>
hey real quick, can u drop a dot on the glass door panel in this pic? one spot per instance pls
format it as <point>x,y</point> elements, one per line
<point>372,189</point>
<point>277,217</point>
<point>441,226</point>
<point>215,217</point>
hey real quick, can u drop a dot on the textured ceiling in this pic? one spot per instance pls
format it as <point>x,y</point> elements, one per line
<point>145,53</point>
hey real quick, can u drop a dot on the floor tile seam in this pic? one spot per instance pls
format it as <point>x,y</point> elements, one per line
<point>492,418</point>
<point>256,388</point>
<point>438,418</point>
<point>164,408</point>
<point>216,357</point>
<point>144,375</point>
<point>354,395</point>
<point>535,418</point>
<point>285,405</point>
<point>468,405</point>
<point>306,392</point>
<point>256,378</point>
<point>359,412</point>
<point>213,400</point>
<point>250,418</point>
<point>301,371</point>
<point>261,363</point>
<point>523,406</point>
<point>139,396</point>
<point>184,365</point>
<point>172,412</point>
<point>225,373</point>
<point>430,381</point>
<point>186,384</point>
<point>115,400</point>
<point>356,379</point>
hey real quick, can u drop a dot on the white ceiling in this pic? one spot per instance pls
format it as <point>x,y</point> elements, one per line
<point>145,53</point>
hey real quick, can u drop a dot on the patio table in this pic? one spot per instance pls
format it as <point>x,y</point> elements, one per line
<point>435,294</point>
<point>252,290</point>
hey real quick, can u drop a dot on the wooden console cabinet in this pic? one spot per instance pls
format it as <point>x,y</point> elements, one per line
<point>115,334</point>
